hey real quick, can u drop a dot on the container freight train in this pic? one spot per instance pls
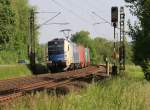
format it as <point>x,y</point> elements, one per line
<point>64,55</point>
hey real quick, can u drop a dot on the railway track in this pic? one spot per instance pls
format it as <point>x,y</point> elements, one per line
<point>16,87</point>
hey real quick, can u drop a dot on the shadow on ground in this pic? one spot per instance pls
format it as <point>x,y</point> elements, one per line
<point>38,69</point>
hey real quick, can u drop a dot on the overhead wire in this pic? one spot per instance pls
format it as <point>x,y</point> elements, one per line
<point>48,20</point>
<point>65,23</point>
<point>78,6</point>
<point>70,11</point>
<point>44,12</point>
<point>94,25</point>
<point>78,16</point>
<point>91,6</point>
<point>70,2</point>
<point>89,10</point>
<point>126,32</point>
<point>101,17</point>
<point>62,7</point>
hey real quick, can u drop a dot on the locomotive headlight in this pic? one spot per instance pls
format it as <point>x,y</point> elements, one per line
<point>56,43</point>
<point>65,56</point>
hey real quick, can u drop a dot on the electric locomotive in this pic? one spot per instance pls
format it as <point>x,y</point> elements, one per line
<point>59,54</point>
<point>64,55</point>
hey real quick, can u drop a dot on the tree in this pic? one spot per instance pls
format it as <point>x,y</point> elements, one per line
<point>104,48</point>
<point>7,23</point>
<point>22,13</point>
<point>82,37</point>
<point>140,32</point>
<point>14,29</point>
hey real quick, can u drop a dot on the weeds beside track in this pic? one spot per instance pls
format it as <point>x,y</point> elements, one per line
<point>10,89</point>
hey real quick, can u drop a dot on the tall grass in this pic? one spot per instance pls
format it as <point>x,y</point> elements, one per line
<point>128,93</point>
<point>134,72</point>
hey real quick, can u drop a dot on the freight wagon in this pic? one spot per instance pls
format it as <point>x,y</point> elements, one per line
<point>64,55</point>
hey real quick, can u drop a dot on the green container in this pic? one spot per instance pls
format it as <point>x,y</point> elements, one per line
<point>86,55</point>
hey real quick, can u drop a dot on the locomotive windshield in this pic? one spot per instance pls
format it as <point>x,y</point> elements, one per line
<point>56,47</point>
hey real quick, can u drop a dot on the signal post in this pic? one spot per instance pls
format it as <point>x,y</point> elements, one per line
<point>121,57</point>
<point>122,41</point>
<point>32,41</point>
<point>114,21</point>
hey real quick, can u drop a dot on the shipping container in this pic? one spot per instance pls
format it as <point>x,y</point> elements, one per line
<point>82,56</point>
<point>75,54</point>
<point>89,57</point>
<point>86,56</point>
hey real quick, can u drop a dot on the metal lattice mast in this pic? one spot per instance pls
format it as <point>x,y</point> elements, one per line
<point>32,40</point>
<point>122,40</point>
<point>32,36</point>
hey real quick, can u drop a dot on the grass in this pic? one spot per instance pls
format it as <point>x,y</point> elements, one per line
<point>134,72</point>
<point>131,92</point>
<point>11,71</point>
<point>8,57</point>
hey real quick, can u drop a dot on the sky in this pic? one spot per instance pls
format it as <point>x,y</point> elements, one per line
<point>78,14</point>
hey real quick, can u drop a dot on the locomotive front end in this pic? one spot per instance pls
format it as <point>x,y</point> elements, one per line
<point>56,55</point>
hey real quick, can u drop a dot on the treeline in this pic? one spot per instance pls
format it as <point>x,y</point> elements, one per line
<point>100,48</point>
<point>14,30</point>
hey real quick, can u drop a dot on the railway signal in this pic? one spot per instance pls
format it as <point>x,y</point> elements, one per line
<point>114,21</point>
<point>114,15</point>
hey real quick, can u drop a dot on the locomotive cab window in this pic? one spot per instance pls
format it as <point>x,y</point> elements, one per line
<point>56,47</point>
